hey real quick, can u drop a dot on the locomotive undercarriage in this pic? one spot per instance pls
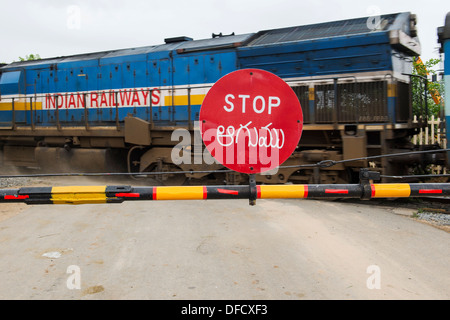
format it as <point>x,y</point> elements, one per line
<point>316,146</point>
<point>105,152</point>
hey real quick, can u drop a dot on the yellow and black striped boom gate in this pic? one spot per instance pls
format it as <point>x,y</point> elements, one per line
<point>119,194</point>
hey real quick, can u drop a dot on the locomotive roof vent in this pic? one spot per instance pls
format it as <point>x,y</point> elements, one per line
<point>177,39</point>
<point>220,35</point>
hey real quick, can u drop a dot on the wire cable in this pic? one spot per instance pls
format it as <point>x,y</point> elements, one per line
<point>416,176</point>
<point>330,163</point>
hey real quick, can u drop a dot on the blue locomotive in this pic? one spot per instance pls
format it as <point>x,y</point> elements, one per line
<point>117,110</point>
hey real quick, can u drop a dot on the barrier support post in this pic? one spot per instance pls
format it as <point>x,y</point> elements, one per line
<point>365,178</point>
<point>253,191</point>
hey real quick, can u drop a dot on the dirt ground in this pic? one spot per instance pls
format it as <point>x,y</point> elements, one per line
<point>219,249</point>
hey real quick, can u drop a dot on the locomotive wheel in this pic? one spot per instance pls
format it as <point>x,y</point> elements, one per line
<point>169,176</point>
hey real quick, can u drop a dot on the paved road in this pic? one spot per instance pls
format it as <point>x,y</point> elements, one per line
<point>278,249</point>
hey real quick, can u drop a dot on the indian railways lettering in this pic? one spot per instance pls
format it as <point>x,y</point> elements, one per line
<point>101,99</point>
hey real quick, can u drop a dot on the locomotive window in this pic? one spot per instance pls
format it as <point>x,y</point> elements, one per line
<point>12,77</point>
<point>10,82</point>
<point>403,107</point>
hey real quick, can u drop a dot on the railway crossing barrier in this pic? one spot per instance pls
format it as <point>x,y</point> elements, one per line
<point>365,190</point>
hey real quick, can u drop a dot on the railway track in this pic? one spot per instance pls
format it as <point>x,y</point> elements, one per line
<point>434,211</point>
<point>431,204</point>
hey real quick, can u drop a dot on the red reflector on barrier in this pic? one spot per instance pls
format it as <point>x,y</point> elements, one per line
<point>339,191</point>
<point>430,191</point>
<point>9,197</point>
<point>235,192</point>
<point>128,195</point>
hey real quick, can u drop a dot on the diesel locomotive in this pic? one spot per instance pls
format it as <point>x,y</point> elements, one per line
<point>118,110</point>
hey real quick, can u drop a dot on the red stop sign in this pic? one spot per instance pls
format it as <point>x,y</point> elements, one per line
<point>251,121</point>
